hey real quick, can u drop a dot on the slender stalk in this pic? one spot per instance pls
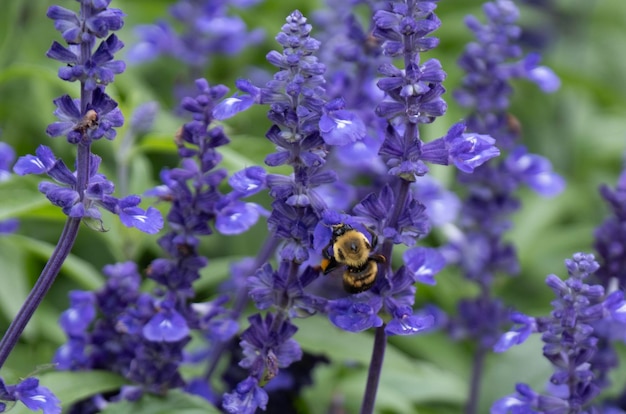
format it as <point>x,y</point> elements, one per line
<point>373,374</point>
<point>471,406</point>
<point>380,338</point>
<point>42,286</point>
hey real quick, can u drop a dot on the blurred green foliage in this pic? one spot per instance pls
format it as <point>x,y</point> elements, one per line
<point>581,128</point>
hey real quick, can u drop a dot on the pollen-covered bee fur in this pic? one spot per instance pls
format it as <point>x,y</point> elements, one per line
<point>351,248</point>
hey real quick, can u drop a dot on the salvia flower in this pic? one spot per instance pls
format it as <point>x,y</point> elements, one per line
<point>479,247</point>
<point>201,30</point>
<point>89,60</point>
<point>352,57</point>
<point>34,396</point>
<point>570,341</point>
<point>305,124</point>
<point>491,62</point>
<point>610,238</point>
<point>476,243</point>
<point>7,156</point>
<point>246,398</point>
<point>101,117</point>
<point>98,193</point>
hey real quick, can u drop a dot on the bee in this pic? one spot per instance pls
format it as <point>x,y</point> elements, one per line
<point>89,121</point>
<point>352,249</point>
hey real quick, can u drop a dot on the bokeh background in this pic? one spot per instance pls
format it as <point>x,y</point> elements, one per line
<point>581,128</point>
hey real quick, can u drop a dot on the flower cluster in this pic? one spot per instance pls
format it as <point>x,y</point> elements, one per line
<point>97,194</point>
<point>80,194</point>
<point>412,97</point>
<point>209,30</point>
<point>570,341</point>
<point>88,59</point>
<point>139,325</point>
<point>350,200</point>
<point>304,123</point>
<point>479,248</point>
<point>610,238</point>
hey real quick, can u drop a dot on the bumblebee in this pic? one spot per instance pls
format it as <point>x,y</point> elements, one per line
<point>352,249</point>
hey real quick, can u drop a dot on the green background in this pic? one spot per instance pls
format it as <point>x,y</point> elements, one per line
<point>581,128</point>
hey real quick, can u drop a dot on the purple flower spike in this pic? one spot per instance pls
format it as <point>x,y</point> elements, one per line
<point>229,107</point>
<point>571,336</point>
<point>208,30</point>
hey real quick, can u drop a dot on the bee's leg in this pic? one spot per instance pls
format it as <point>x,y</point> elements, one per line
<point>374,236</point>
<point>378,258</point>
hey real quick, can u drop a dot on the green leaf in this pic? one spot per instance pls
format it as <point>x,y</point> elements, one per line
<point>13,279</point>
<point>523,363</point>
<point>20,195</point>
<point>416,380</point>
<point>140,172</point>
<point>70,387</point>
<point>79,270</point>
<point>174,402</point>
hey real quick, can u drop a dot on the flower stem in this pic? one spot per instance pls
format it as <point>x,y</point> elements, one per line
<point>373,374</point>
<point>42,286</point>
<point>380,339</point>
<point>471,406</point>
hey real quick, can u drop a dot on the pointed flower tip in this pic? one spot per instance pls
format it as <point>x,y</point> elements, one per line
<point>239,102</point>
<point>518,335</point>
<point>148,221</point>
<point>469,151</point>
<point>39,164</point>
<point>545,78</point>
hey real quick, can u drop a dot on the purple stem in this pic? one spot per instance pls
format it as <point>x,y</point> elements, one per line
<point>373,374</point>
<point>42,286</point>
<point>380,340</point>
<point>471,406</point>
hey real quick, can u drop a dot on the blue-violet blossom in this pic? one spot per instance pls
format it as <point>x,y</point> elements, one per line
<point>570,341</point>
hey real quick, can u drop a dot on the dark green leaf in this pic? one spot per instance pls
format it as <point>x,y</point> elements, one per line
<point>174,402</point>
